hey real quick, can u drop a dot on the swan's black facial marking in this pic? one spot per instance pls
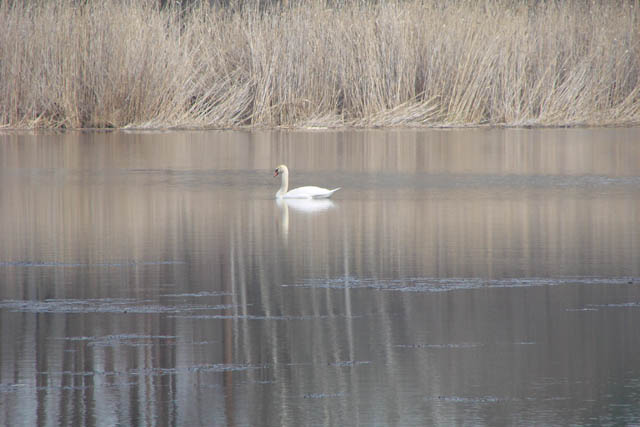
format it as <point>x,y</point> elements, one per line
<point>276,172</point>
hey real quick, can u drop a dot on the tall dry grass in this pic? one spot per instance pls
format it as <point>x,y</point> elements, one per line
<point>392,63</point>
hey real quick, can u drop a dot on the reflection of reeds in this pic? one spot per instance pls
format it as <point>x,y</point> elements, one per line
<point>416,62</point>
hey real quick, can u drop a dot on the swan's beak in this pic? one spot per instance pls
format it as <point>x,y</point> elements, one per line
<point>275,173</point>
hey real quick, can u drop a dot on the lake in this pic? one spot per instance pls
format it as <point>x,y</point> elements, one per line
<point>469,276</point>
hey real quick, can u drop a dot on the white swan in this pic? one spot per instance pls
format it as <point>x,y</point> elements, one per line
<point>309,192</point>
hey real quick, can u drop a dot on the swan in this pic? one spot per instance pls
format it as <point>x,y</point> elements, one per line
<point>309,192</point>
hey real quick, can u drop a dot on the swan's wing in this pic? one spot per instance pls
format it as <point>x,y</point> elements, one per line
<point>309,192</point>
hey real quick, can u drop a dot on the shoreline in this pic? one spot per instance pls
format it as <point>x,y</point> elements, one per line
<point>53,130</point>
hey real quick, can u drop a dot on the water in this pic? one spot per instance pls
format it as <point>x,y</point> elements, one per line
<point>477,277</point>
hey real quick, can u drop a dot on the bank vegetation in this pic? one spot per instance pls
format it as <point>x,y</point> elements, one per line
<point>309,63</point>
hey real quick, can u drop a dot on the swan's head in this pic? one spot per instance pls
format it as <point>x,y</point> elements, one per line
<point>280,169</point>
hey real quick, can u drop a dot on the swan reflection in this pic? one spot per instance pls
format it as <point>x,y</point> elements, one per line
<point>306,206</point>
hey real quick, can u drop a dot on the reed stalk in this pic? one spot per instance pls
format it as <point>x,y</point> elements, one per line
<point>119,63</point>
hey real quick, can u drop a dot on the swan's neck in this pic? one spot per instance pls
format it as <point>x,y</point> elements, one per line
<point>284,186</point>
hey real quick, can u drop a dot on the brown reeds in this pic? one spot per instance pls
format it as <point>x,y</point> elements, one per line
<point>393,63</point>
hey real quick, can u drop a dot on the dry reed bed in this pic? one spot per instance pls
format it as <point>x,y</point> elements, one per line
<point>396,63</point>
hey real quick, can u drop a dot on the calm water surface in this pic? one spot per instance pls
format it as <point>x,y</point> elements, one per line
<point>476,277</point>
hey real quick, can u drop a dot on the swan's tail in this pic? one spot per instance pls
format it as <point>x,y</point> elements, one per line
<point>328,194</point>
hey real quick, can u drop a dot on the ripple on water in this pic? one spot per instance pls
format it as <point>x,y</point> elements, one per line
<point>214,367</point>
<point>38,264</point>
<point>264,317</point>
<point>349,363</point>
<point>9,388</point>
<point>199,294</point>
<point>435,284</point>
<point>598,307</point>
<point>467,399</point>
<point>104,305</point>
<point>322,395</point>
<point>441,346</point>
